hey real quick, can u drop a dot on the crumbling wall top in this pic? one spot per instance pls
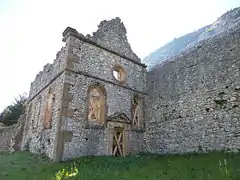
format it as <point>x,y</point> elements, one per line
<point>111,35</point>
<point>49,72</point>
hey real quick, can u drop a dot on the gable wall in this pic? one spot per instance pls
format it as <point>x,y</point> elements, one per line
<point>82,62</point>
<point>88,65</point>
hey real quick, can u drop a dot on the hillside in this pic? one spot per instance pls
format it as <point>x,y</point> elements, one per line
<point>227,21</point>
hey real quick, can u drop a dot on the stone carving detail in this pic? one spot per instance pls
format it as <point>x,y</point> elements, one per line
<point>119,117</point>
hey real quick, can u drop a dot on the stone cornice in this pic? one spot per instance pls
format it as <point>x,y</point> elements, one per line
<point>106,81</point>
<point>87,75</point>
<point>44,87</point>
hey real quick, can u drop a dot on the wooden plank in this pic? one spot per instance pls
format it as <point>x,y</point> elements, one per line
<point>118,143</point>
<point>135,116</point>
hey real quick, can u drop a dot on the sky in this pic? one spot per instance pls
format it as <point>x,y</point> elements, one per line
<point>31,30</point>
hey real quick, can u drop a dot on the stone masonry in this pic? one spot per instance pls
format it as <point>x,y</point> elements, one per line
<point>85,62</point>
<point>79,107</point>
<point>6,134</point>
<point>194,99</point>
<point>11,136</point>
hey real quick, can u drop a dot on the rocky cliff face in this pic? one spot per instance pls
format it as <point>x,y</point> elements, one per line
<point>228,21</point>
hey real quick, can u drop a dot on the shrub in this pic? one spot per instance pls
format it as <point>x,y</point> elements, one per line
<point>11,114</point>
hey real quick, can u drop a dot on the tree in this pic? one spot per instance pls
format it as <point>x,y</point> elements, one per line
<point>10,115</point>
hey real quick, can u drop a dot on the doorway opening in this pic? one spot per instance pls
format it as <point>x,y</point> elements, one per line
<point>118,141</point>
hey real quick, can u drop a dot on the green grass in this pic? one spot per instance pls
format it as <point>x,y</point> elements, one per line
<point>24,166</point>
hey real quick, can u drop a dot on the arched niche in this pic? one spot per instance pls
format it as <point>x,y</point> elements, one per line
<point>48,110</point>
<point>96,103</point>
<point>137,111</point>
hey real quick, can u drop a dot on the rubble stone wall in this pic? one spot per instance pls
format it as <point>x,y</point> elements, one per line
<point>6,134</point>
<point>16,139</point>
<point>87,65</point>
<point>90,138</point>
<point>84,61</point>
<point>38,139</point>
<point>194,99</point>
<point>191,102</point>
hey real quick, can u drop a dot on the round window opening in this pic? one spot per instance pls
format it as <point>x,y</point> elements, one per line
<point>119,73</point>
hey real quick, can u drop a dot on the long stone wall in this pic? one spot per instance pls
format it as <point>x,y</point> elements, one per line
<point>194,99</point>
<point>11,136</point>
<point>6,134</point>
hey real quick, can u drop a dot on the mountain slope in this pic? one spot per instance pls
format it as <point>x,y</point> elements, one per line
<point>227,21</point>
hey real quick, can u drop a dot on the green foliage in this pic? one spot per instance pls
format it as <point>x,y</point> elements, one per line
<point>209,29</point>
<point>224,169</point>
<point>212,166</point>
<point>66,173</point>
<point>11,114</point>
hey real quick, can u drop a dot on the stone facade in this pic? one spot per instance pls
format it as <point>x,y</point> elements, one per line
<point>194,99</point>
<point>36,138</point>
<point>79,107</point>
<point>85,62</point>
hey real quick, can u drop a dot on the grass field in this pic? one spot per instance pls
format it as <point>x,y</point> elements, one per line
<point>213,166</point>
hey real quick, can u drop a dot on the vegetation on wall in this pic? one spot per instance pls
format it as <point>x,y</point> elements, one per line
<point>10,115</point>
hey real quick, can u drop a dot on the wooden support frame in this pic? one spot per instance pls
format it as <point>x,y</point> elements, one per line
<point>136,116</point>
<point>118,143</point>
<point>137,111</point>
<point>96,104</point>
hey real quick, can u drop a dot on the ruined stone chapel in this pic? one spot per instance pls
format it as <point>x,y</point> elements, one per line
<point>97,98</point>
